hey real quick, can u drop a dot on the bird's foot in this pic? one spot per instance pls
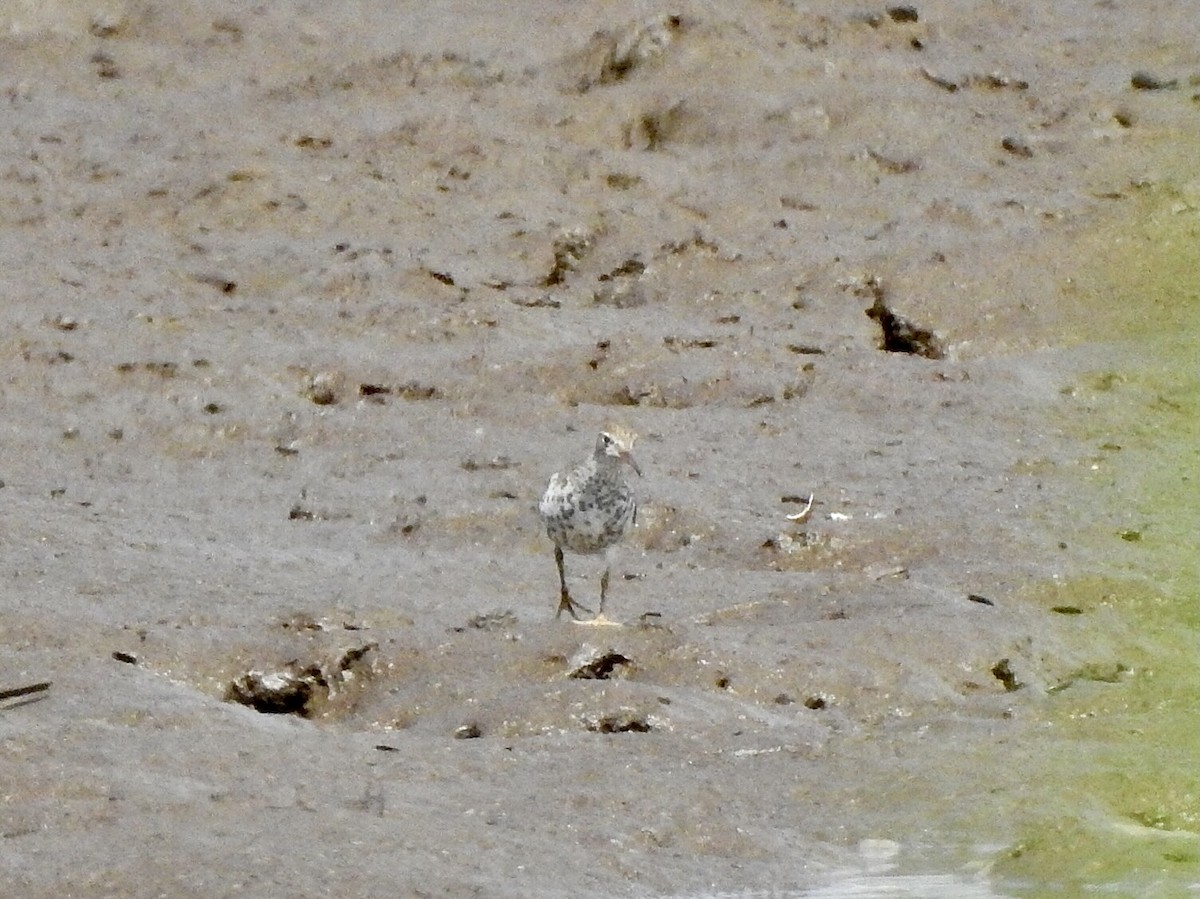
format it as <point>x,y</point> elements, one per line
<point>599,620</point>
<point>572,608</point>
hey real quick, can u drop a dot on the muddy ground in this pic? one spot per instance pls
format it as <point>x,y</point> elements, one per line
<point>302,305</point>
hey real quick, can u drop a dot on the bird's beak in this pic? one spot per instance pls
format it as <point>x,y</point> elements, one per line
<point>628,457</point>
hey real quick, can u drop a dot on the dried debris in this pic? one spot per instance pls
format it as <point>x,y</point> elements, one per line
<point>1017,147</point>
<point>324,388</point>
<point>24,694</point>
<point>327,388</point>
<point>689,343</point>
<point>592,663</point>
<point>620,293</point>
<point>899,334</point>
<point>410,390</point>
<point>803,514</point>
<point>63,322</point>
<point>893,165</point>
<point>570,249</point>
<point>298,689</point>
<point>1145,81</point>
<point>1094,672</point>
<point>622,721</point>
<point>988,81</point>
<point>1003,672</point>
<point>490,621</point>
<point>220,282</point>
<point>655,127</point>
<point>496,463</point>
<point>162,369</point>
<point>612,56</point>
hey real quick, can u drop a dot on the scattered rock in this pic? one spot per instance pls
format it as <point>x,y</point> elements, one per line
<point>296,689</point>
<point>469,731</point>
<point>325,388</point>
<point>63,322</point>
<point>622,721</point>
<point>1017,147</point>
<point>592,663</point>
<point>272,693</point>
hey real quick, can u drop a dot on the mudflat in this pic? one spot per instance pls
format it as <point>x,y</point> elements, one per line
<point>301,305</point>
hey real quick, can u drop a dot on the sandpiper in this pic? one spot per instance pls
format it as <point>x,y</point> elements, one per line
<point>589,509</point>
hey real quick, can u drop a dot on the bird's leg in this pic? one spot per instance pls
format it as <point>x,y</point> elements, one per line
<point>599,618</point>
<point>564,597</point>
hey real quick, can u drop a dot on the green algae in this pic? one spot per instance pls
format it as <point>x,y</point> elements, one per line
<point>1117,765</point>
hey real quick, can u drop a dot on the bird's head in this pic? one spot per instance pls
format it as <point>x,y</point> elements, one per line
<point>615,443</point>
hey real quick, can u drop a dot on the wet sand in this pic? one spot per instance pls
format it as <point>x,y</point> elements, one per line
<point>302,306</point>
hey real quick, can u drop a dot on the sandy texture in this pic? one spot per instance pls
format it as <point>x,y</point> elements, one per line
<point>302,304</point>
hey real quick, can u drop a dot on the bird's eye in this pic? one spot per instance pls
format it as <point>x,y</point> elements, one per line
<point>607,440</point>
